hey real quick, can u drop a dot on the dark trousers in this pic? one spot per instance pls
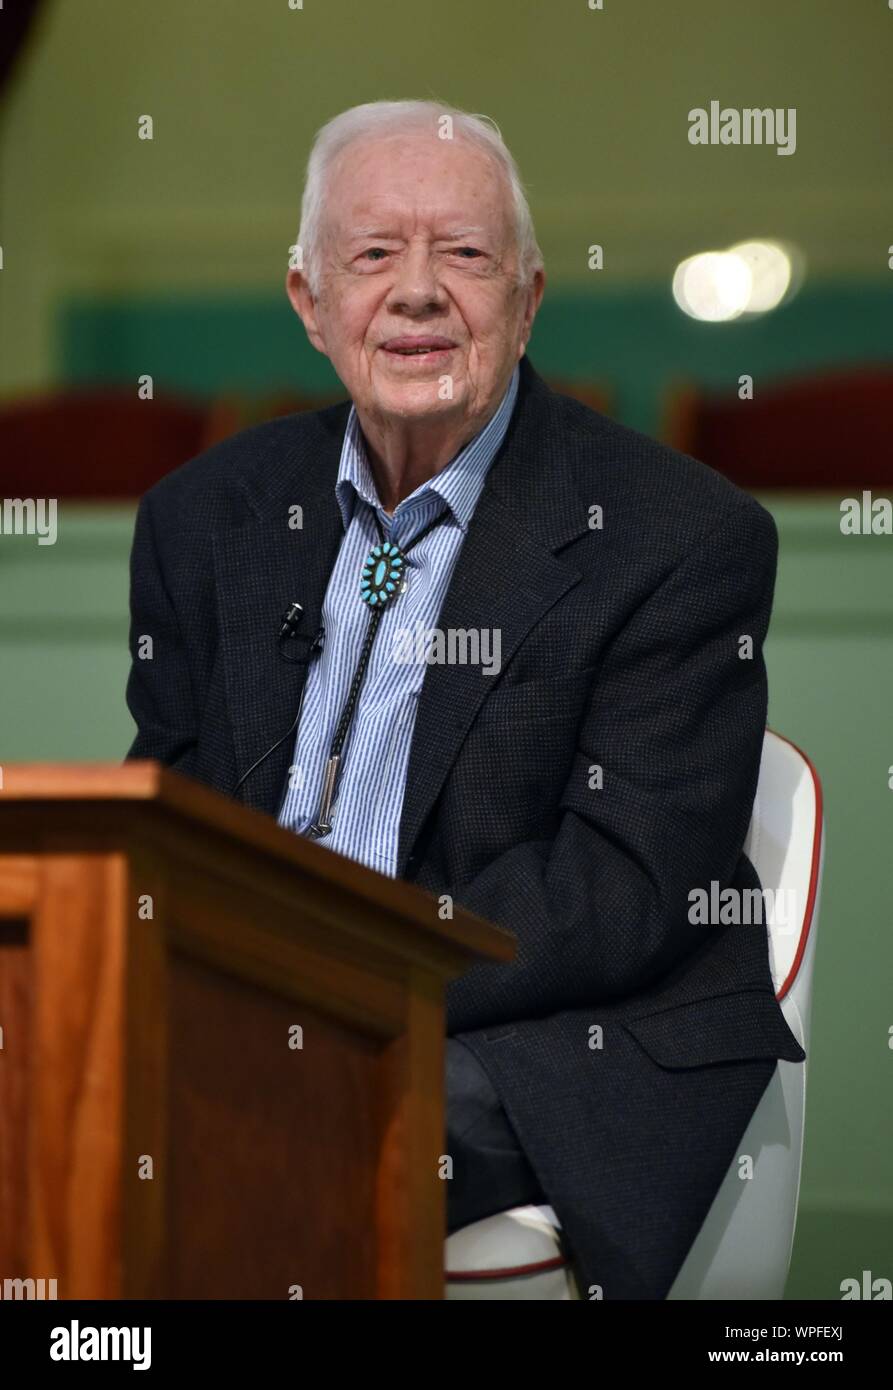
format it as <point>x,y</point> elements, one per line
<point>490,1171</point>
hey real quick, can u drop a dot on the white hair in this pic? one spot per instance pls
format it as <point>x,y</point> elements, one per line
<point>395,117</point>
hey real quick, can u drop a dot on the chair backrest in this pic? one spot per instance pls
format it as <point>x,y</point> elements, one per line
<point>785,843</point>
<point>743,1250</point>
<point>96,443</point>
<point>821,430</point>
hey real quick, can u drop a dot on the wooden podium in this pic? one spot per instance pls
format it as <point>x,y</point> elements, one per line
<point>221,1072</point>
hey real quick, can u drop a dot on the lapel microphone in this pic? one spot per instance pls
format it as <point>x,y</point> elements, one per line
<point>288,629</point>
<point>291,620</point>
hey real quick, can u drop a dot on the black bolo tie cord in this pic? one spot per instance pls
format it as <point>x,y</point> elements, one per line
<point>344,723</point>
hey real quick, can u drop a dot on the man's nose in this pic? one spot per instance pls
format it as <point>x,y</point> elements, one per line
<point>416,284</point>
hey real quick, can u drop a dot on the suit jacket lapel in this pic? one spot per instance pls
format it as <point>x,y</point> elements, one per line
<point>261,566</point>
<point>506,578</point>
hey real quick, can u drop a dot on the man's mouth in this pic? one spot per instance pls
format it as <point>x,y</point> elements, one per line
<point>417,347</point>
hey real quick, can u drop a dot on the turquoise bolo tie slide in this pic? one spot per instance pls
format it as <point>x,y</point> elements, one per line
<point>383,576</point>
<point>383,579</point>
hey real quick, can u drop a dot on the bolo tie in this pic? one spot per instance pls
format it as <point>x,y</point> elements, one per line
<point>382,580</point>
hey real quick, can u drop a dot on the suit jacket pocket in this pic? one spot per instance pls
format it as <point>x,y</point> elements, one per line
<point>725,1028</point>
<point>537,701</point>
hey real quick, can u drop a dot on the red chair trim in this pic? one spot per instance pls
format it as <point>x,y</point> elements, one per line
<point>814,866</point>
<point>470,1276</point>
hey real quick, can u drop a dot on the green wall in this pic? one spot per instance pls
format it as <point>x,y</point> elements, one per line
<point>594,105</point>
<point>633,340</point>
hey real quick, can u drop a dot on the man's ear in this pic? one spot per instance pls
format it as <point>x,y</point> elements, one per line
<point>534,299</point>
<point>304,305</point>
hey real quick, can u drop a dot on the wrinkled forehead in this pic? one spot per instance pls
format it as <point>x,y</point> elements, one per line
<point>401,184</point>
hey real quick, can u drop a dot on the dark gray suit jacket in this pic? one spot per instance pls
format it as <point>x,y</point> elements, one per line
<point>620,651</point>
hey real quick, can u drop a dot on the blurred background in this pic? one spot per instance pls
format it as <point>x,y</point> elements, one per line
<point>125,259</point>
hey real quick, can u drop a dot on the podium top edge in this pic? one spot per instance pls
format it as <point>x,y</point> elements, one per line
<point>132,781</point>
<point>151,787</point>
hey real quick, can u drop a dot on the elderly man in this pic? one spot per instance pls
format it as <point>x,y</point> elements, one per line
<point>532,679</point>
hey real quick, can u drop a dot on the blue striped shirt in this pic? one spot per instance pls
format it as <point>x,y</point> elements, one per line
<point>369,798</point>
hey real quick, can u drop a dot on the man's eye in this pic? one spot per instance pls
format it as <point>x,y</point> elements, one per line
<point>375,251</point>
<point>467,252</point>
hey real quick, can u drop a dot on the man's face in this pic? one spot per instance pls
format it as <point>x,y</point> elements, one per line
<point>418,249</point>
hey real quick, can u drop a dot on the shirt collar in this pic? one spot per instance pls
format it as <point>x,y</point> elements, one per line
<point>459,483</point>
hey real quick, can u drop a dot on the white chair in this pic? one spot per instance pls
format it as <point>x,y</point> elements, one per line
<point>743,1250</point>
